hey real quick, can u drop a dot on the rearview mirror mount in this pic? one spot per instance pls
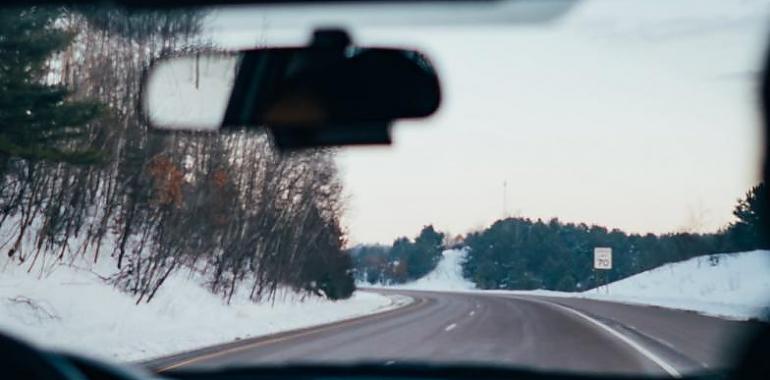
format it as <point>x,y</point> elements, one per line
<point>326,94</point>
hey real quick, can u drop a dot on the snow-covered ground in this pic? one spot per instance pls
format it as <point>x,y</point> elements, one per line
<point>733,285</point>
<point>448,275</point>
<point>74,310</point>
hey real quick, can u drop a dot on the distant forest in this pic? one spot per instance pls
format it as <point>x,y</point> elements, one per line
<point>521,253</point>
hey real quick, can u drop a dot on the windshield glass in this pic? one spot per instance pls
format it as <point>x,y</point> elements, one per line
<point>586,199</point>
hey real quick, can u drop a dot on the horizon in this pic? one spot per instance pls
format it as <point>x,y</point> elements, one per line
<point>412,236</point>
<point>687,149</point>
<point>628,115</point>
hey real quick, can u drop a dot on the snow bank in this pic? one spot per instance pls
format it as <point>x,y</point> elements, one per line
<point>73,309</point>
<point>447,276</point>
<point>729,285</point>
<point>735,285</point>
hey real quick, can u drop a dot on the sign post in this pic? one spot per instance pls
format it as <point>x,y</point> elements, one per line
<point>602,262</point>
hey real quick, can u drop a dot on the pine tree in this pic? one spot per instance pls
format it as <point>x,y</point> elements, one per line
<point>38,121</point>
<point>429,245</point>
<point>749,231</point>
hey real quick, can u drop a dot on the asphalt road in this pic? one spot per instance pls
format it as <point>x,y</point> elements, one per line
<point>534,332</point>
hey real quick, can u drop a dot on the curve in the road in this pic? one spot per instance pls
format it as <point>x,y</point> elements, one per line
<point>524,331</point>
<point>663,364</point>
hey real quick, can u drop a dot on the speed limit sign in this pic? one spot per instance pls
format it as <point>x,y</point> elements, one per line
<point>602,258</point>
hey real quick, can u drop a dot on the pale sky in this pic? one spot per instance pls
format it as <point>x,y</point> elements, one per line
<point>639,115</point>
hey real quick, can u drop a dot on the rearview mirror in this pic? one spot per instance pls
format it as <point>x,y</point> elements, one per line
<point>325,94</point>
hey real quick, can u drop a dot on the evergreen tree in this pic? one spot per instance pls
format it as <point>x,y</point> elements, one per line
<point>38,121</point>
<point>749,231</point>
<point>405,260</point>
<point>426,252</point>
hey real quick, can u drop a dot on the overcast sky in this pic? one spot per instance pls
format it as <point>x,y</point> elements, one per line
<point>639,115</point>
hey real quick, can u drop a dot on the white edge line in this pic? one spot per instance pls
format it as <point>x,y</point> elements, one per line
<point>673,372</point>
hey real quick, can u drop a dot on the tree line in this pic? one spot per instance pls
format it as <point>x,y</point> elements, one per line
<point>403,261</point>
<point>82,176</point>
<point>521,253</point>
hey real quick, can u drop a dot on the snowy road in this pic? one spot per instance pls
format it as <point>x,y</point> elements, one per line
<point>544,333</point>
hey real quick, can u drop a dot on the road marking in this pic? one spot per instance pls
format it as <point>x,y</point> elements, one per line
<point>310,331</point>
<point>673,372</point>
<point>472,313</point>
<point>450,327</point>
<point>656,339</point>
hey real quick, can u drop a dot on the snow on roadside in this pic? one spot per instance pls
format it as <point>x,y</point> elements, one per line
<point>74,310</point>
<point>728,285</point>
<point>733,285</point>
<point>447,276</point>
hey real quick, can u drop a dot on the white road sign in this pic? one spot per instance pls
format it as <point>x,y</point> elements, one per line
<point>602,258</point>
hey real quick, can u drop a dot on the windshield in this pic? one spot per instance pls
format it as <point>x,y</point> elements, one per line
<point>586,199</point>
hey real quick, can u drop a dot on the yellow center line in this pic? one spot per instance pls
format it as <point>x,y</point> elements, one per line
<point>334,325</point>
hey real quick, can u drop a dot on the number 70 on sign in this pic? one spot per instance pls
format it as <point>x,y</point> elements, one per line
<point>602,258</point>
